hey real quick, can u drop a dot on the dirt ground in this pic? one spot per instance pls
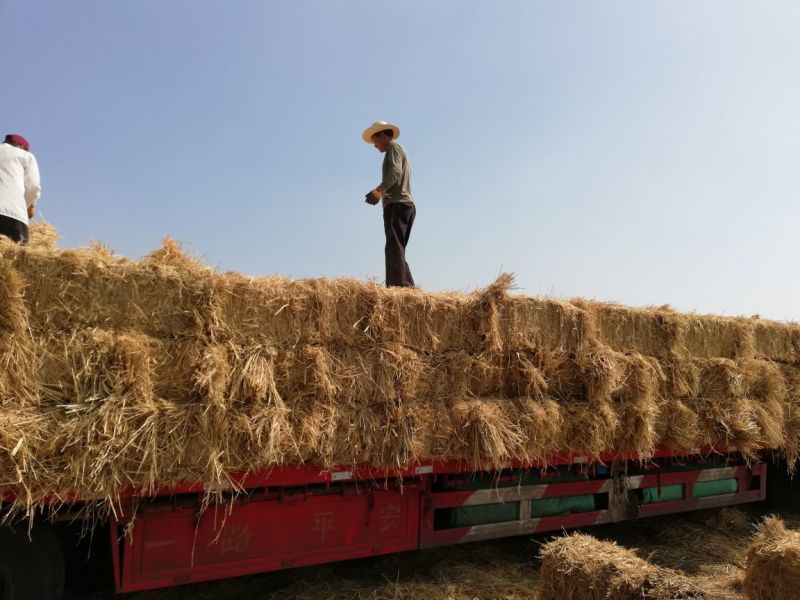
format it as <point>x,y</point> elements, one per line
<point>709,546</point>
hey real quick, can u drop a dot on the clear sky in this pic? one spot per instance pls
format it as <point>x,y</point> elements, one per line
<point>639,152</point>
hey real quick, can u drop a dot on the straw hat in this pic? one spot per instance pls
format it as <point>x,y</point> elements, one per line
<point>377,127</point>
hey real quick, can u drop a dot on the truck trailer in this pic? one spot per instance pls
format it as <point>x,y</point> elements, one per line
<point>296,516</point>
<point>197,425</point>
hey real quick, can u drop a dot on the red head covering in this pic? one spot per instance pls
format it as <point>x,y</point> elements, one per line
<point>18,139</point>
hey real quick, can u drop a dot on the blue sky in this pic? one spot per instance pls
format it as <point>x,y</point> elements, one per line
<point>639,152</point>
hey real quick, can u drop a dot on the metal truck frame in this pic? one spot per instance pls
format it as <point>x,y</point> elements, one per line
<point>302,515</point>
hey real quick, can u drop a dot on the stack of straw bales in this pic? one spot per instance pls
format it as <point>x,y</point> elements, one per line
<point>581,567</point>
<point>772,570</point>
<point>119,373</point>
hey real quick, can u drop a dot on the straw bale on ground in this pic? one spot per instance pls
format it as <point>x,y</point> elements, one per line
<point>772,570</point>
<point>581,567</point>
<point>118,373</point>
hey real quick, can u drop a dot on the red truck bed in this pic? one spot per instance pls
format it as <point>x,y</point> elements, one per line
<point>295,516</point>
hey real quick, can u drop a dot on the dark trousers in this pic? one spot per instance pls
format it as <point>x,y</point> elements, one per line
<point>397,221</point>
<point>16,230</point>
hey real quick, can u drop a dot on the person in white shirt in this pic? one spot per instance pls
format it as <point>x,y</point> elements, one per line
<point>19,187</point>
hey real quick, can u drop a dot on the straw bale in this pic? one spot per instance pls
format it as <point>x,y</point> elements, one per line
<point>86,365</point>
<point>766,385</point>
<point>541,421</point>
<point>720,378</point>
<point>42,235</point>
<point>744,423</point>
<point>740,403</point>
<point>678,426</point>
<point>486,375</point>
<point>345,311</point>
<point>258,435</point>
<point>717,337</point>
<point>130,372</point>
<point>16,354</point>
<point>601,370</point>
<point>590,375</point>
<point>13,314</point>
<point>310,373</point>
<point>213,374</point>
<point>777,341</point>
<point>562,374</point>
<point>791,443</point>
<point>448,375</point>
<point>508,323</point>
<point>512,375</point>
<point>771,419</point>
<point>403,433</point>
<point>643,331</point>
<point>340,412</point>
<point>392,372</point>
<point>486,430</point>
<point>764,380</point>
<point>523,378</point>
<point>75,288</point>
<point>581,567</point>
<point>772,566</point>
<point>589,427</point>
<point>544,323</point>
<point>290,312</point>
<point>683,376</point>
<point>252,377</point>
<point>490,306</point>
<point>398,372</point>
<point>109,444</point>
<point>23,432</point>
<point>638,403</point>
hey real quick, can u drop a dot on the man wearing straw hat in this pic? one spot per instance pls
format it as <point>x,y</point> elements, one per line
<point>398,203</point>
<point>19,187</point>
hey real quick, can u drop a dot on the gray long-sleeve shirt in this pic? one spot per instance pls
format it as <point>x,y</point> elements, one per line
<point>396,184</point>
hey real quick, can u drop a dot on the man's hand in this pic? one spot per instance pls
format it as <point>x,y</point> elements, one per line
<point>31,211</point>
<point>374,196</point>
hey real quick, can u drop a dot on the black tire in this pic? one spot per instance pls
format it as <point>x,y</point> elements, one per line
<point>30,568</point>
<point>783,490</point>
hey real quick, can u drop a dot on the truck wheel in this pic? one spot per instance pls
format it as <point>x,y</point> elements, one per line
<point>30,568</point>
